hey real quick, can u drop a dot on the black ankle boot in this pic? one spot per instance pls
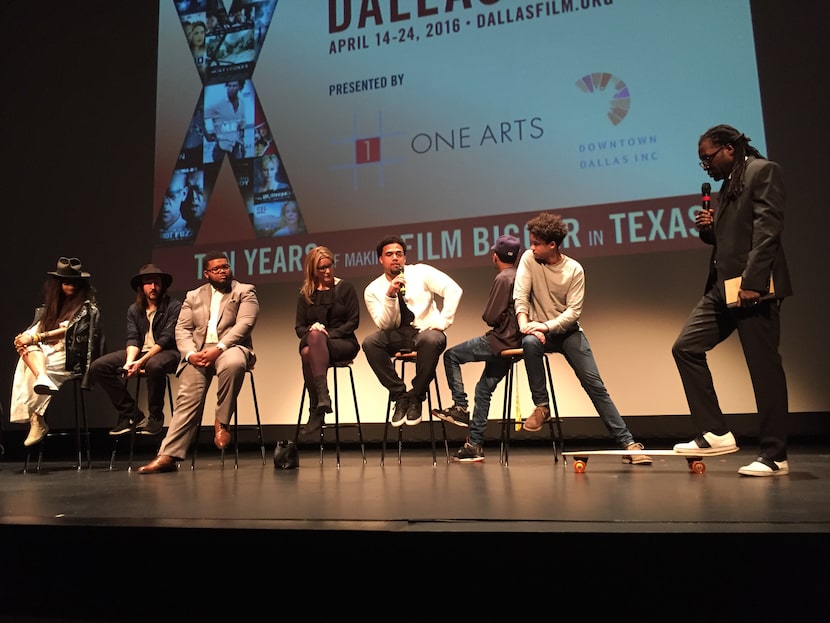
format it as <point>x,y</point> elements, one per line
<point>316,419</point>
<point>323,398</point>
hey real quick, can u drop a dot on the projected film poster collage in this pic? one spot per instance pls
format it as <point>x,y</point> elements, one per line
<point>228,122</point>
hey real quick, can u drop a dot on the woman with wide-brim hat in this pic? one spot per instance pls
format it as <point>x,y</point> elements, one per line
<point>59,344</point>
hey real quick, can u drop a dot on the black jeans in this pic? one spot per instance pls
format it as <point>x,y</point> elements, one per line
<point>106,371</point>
<point>381,346</point>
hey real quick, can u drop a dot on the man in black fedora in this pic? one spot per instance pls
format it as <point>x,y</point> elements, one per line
<point>151,347</point>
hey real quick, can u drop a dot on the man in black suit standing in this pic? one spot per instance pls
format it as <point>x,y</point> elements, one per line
<point>745,233</point>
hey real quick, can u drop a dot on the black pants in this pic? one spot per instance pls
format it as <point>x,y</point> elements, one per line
<point>381,346</point>
<point>106,371</point>
<point>709,324</point>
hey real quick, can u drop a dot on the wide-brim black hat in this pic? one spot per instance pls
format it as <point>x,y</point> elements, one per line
<point>69,268</point>
<point>151,269</point>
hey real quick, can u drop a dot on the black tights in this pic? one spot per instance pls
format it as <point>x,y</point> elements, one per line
<point>315,357</point>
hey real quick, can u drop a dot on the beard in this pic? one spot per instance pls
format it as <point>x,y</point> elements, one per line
<point>223,285</point>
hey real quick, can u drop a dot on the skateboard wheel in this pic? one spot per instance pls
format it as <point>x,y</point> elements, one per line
<point>698,467</point>
<point>579,466</point>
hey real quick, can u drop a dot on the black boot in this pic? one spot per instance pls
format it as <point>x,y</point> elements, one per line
<point>323,398</point>
<point>316,419</point>
<point>312,398</point>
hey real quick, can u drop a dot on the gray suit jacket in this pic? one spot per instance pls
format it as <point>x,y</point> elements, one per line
<point>237,316</point>
<point>746,234</point>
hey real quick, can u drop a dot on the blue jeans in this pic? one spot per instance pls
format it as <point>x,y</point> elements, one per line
<point>577,351</point>
<point>495,368</point>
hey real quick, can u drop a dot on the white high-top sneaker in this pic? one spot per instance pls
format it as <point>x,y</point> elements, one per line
<point>37,430</point>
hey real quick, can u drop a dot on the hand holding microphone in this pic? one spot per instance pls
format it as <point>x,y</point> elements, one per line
<point>401,281</point>
<point>705,217</point>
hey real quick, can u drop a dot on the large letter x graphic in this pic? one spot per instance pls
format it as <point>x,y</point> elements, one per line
<point>228,121</point>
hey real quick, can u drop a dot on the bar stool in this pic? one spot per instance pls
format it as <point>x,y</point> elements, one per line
<point>80,432</point>
<point>235,425</point>
<point>405,358</point>
<point>516,355</point>
<point>142,375</point>
<point>336,425</point>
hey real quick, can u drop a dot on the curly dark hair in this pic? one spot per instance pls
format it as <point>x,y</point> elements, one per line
<point>548,228</point>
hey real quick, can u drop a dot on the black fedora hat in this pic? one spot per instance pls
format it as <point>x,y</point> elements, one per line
<point>151,269</point>
<point>69,268</point>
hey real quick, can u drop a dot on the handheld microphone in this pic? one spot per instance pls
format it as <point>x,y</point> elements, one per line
<point>403,285</point>
<point>705,189</point>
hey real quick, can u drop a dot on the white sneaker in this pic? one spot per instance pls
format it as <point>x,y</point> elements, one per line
<point>708,443</point>
<point>37,430</point>
<point>44,385</point>
<point>763,466</point>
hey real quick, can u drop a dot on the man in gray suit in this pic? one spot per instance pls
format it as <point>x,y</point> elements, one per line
<point>745,233</point>
<point>213,335</point>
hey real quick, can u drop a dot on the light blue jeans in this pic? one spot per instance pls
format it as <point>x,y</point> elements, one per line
<point>577,351</point>
<point>495,368</point>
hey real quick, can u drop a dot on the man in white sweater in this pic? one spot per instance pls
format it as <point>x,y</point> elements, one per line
<point>549,293</point>
<point>407,316</point>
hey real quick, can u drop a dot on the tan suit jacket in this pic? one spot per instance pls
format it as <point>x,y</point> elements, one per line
<point>238,313</point>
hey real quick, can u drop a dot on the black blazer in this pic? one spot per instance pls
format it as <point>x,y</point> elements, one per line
<point>746,234</point>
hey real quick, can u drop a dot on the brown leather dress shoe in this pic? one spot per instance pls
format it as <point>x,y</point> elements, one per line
<point>222,437</point>
<point>162,463</point>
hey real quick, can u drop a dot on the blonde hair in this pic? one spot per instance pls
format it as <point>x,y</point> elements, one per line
<point>311,260</point>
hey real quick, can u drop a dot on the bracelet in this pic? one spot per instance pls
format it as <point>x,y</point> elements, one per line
<point>35,338</point>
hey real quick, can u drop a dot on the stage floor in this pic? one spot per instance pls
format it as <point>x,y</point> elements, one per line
<point>531,493</point>
<point>366,520</point>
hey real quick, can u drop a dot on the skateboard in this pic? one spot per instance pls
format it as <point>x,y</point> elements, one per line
<point>695,462</point>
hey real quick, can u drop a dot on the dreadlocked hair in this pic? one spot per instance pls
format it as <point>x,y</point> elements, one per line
<point>722,135</point>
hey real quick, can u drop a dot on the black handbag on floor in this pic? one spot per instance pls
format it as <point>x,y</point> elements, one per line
<point>286,455</point>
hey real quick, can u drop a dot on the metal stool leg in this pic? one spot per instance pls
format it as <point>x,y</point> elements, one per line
<point>80,432</point>
<point>557,435</point>
<point>256,412</point>
<point>506,420</point>
<point>300,416</point>
<point>385,430</point>
<point>404,359</point>
<point>555,421</point>
<point>337,424</point>
<point>79,435</point>
<point>431,421</point>
<point>357,416</point>
<point>386,425</point>
<point>133,431</point>
<point>388,414</point>
<point>400,428</point>
<point>235,425</point>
